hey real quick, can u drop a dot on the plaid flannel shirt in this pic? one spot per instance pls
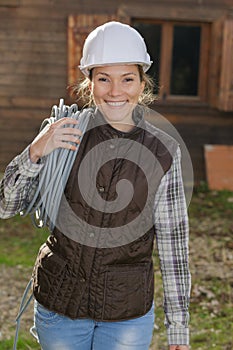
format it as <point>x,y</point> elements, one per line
<point>171,225</point>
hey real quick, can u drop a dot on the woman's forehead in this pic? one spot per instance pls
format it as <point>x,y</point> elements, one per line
<point>122,69</point>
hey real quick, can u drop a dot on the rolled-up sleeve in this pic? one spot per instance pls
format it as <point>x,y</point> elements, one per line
<point>172,234</point>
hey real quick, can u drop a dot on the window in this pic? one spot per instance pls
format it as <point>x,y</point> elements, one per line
<point>152,35</point>
<point>185,60</point>
<point>180,58</point>
<point>192,57</point>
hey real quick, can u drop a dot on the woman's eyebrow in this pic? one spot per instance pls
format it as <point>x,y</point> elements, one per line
<point>108,75</point>
<point>130,73</point>
<point>102,73</point>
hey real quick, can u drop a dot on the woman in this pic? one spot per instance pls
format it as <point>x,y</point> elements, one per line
<point>93,278</point>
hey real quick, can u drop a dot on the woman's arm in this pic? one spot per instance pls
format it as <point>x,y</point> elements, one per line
<point>21,176</point>
<point>18,184</point>
<point>172,231</point>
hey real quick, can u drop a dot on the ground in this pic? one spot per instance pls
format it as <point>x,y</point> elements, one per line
<point>211,262</point>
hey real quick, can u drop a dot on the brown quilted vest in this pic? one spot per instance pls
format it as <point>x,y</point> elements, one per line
<point>82,277</point>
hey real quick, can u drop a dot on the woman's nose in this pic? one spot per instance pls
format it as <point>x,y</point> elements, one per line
<point>115,89</point>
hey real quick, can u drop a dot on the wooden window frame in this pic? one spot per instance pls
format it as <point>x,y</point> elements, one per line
<point>165,70</point>
<point>216,48</point>
<point>219,92</point>
<point>225,101</point>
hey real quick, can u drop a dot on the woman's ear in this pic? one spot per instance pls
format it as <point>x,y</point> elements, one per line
<point>142,87</point>
<point>90,86</point>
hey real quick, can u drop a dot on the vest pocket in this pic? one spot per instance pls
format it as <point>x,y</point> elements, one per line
<point>125,291</point>
<point>48,275</point>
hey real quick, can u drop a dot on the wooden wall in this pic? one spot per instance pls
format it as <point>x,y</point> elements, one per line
<point>33,71</point>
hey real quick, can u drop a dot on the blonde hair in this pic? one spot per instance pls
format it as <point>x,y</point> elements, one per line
<point>81,92</point>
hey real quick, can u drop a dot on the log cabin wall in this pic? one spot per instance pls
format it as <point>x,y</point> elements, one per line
<point>34,68</point>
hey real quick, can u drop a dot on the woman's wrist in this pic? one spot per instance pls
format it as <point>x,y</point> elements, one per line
<point>34,156</point>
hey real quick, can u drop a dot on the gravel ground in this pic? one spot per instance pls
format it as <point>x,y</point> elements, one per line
<point>13,280</point>
<point>211,256</point>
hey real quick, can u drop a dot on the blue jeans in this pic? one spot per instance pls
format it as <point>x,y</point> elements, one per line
<point>57,332</point>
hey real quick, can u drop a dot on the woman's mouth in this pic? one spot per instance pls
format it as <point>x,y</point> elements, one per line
<point>116,103</point>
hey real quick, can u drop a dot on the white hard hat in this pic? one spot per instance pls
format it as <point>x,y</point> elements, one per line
<point>114,43</point>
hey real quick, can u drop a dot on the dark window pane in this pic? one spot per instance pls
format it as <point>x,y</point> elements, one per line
<point>152,36</point>
<point>185,60</point>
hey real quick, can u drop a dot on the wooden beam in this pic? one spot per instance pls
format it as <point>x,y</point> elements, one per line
<point>226,77</point>
<point>184,12</point>
<point>9,3</point>
<point>215,61</point>
<point>204,62</point>
<point>166,60</point>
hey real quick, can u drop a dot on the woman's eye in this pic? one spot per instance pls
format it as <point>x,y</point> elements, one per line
<point>128,79</point>
<point>102,79</point>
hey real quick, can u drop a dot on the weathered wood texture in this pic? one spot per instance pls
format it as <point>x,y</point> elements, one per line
<point>197,127</point>
<point>34,67</point>
<point>226,83</point>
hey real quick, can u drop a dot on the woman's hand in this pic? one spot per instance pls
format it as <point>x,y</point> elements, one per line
<point>178,347</point>
<point>55,136</point>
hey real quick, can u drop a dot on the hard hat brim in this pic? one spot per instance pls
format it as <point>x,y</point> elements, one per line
<point>86,69</point>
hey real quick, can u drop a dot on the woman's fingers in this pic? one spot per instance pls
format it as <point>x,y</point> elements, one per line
<point>64,121</point>
<point>60,134</point>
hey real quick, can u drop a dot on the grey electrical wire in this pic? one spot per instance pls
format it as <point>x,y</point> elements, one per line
<point>44,206</point>
<point>23,306</point>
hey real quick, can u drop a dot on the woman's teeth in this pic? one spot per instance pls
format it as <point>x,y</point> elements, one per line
<point>116,104</point>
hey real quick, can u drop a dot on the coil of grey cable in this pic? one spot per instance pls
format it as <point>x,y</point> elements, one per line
<point>44,206</point>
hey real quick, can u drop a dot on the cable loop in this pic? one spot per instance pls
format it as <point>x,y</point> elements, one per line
<point>44,205</point>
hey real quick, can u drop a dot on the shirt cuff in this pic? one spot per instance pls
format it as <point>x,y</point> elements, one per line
<point>178,336</point>
<point>26,166</point>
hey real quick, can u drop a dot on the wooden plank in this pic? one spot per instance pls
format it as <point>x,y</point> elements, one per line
<point>73,5</point>
<point>48,10</point>
<point>13,115</point>
<point>204,62</point>
<point>39,80</point>
<point>189,119</point>
<point>166,60</point>
<point>215,60</point>
<point>42,104</point>
<point>226,78</point>
<point>89,7</point>
<point>166,11</point>
<point>15,126</point>
<point>38,25</point>
<point>9,3</point>
<point>22,35</point>
<point>27,102</point>
<point>42,68</point>
<point>10,102</point>
<point>33,91</point>
<point>32,57</point>
<point>18,140</point>
<point>31,46</point>
<point>90,3</point>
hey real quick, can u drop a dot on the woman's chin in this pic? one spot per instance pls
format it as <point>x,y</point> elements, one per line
<point>118,114</point>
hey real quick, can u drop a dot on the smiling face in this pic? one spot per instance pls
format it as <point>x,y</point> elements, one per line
<point>116,91</point>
